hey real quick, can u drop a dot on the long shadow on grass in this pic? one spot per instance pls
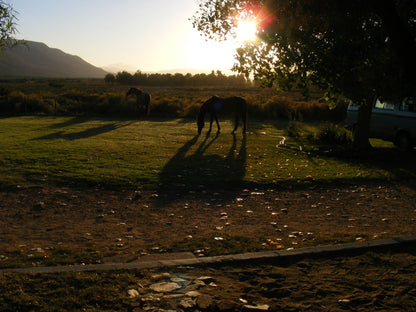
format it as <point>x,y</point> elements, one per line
<point>90,132</point>
<point>201,172</point>
<point>69,122</point>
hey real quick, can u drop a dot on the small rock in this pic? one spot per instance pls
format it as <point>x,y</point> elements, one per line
<point>256,193</point>
<point>199,283</point>
<point>259,307</point>
<point>205,279</point>
<point>150,298</point>
<point>133,293</point>
<point>193,294</point>
<point>164,287</point>
<point>160,276</point>
<point>344,302</point>
<point>204,302</point>
<point>188,303</point>
<point>178,280</point>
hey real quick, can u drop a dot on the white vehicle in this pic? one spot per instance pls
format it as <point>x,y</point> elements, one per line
<point>395,122</point>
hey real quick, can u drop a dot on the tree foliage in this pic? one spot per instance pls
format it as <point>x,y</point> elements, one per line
<point>7,25</point>
<point>179,80</point>
<point>356,48</point>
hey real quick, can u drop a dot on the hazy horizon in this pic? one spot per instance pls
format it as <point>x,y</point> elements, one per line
<point>151,36</point>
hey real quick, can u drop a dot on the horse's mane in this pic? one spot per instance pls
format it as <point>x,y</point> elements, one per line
<point>134,91</point>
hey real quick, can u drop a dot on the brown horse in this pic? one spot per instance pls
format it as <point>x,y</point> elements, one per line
<point>214,105</point>
<point>142,99</point>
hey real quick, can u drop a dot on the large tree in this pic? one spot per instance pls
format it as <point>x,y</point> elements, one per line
<point>357,48</point>
<point>7,25</point>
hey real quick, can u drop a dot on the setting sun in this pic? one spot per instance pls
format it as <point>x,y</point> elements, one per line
<point>246,31</point>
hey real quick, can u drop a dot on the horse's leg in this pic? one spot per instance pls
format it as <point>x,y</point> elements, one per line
<point>210,122</point>
<point>138,105</point>
<point>218,124</point>
<point>146,107</point>
<point>237,121</point>
<point>244,116</point>
<point>147,104</point>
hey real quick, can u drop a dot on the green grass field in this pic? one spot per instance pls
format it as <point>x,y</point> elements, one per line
<point>82,152</point>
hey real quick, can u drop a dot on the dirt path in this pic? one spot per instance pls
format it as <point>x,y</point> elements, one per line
<point>43,225</point>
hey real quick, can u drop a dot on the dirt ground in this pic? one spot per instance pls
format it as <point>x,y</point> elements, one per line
<point>41,225</point>
<point>93,226</point>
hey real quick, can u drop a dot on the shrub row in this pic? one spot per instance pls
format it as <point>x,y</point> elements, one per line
<point>162,105</point>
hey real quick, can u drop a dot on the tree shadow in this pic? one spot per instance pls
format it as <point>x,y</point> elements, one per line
<point>90,132</point>
<point>188,173</point>
<point>400,165</point>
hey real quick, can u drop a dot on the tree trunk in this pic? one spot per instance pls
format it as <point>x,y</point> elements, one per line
<point>362,130</point>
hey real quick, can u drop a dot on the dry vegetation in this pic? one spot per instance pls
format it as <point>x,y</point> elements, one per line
<point>95,98</point>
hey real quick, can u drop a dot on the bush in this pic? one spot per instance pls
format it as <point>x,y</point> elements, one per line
<point>165,108</point>
<point>36,103</point>
<point>293,129</point>
<point>278,108</point>
<point>332,134</point>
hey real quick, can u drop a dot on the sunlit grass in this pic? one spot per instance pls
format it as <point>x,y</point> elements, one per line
<point>127,153</point>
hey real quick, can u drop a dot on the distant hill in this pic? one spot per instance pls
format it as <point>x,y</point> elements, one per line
<point>36,59</point>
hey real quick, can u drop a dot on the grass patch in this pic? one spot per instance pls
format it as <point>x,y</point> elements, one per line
<point>125,153</point>
<point>66,292</point>
<point>219,244</point>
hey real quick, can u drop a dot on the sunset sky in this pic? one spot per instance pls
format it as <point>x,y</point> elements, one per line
<point>148,35</point>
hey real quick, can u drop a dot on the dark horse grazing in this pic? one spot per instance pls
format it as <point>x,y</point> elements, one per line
<point>236,105</point>
<point>142,98</point>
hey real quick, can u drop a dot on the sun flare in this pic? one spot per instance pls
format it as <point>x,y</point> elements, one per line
<point>246,30</point>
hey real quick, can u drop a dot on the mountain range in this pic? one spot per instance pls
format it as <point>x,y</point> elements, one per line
<point>37,60</point>
<point>30,59</point>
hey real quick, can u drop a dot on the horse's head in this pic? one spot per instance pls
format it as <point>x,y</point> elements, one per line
<point>133,91</point>
<point>200,123</point>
